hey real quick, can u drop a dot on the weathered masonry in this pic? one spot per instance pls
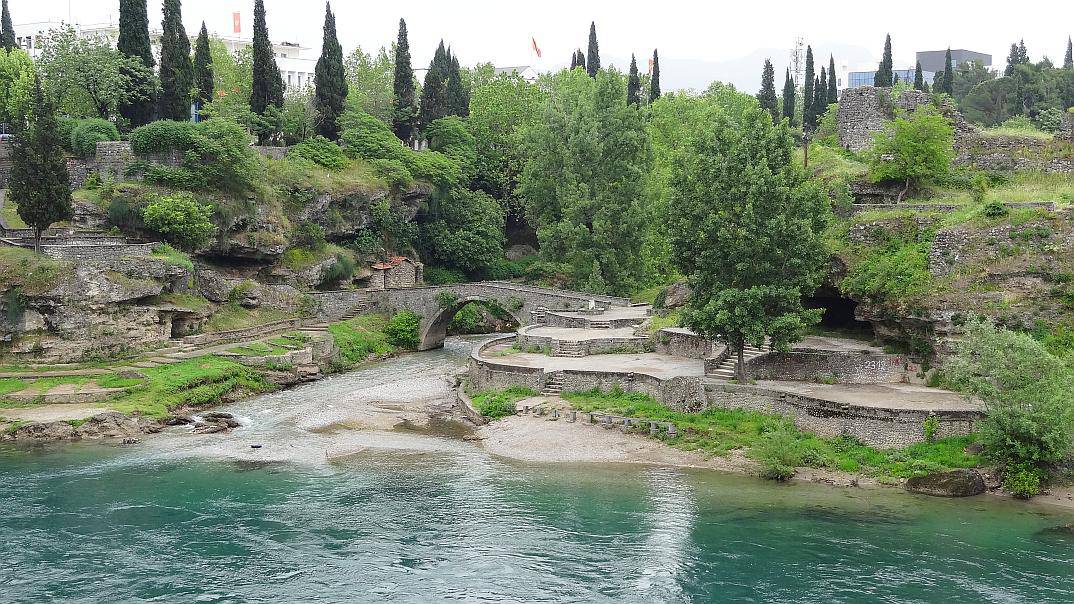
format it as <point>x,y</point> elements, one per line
<point>437,304</point>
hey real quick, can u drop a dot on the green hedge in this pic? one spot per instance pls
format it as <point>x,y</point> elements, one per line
<point>216,155</point>
<point>85,134</point>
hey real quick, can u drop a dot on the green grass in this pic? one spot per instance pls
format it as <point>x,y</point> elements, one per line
<point>658,322</point>
<point>830,163</point>
<point>9,385</point>
<point>496,404</point>
<point>719,431</point>
<point>1017,130</point>
<point>32,273</point>
<point>194,382</point>
<point>11,215</point>
<point>233,316</point>
<point>361,337</point>
<point>291,339</point>
<point>172,256</point>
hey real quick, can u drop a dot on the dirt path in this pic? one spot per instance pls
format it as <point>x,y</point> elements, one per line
<point>51,413</point>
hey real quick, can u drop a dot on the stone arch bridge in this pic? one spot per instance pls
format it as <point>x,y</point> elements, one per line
<point>437,304</point>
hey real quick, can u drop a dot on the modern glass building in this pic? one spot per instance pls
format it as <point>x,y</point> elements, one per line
<point>857,79</point>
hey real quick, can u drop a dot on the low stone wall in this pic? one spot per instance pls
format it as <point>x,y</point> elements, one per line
<point>556,319</point>
<point>271,152</point>
<point>525,341</point>
<point>97,253</point>
<point>1009,153</point>
<point>682,343</point>
<point>806,365</point>
<point>302,356</point>
<point>333,305</point>
<point>242,334</point>
<point>860,208</point>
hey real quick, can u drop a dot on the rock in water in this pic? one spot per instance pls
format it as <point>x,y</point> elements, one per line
<point>217,415</point>
<point>956,483</point>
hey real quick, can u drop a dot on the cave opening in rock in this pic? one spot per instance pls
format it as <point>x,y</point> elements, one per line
<point>839,315</point>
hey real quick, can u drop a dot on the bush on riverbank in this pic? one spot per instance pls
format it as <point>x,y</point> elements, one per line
<point>496,404</point>
<point>194,382</point>
<point>776,444</point>
<point>360,338</point>
<point>402,330</point>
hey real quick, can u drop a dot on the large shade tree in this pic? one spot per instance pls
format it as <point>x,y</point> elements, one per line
<point>39,183</point>
<point>745,228</point>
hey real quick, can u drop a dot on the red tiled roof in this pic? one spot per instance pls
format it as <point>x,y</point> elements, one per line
<point>392,262</point>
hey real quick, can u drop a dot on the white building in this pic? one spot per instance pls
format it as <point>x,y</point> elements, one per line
<point>296,67</point>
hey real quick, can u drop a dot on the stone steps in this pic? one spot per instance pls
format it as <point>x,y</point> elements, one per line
<point>726,369</point>
<point>568,349</point>
<point>553,387</point>
<point>600,325</point>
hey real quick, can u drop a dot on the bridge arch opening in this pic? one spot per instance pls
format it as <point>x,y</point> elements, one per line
<point>433,336</point>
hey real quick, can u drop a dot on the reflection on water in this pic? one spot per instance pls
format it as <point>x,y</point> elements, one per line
<point>172,521</point>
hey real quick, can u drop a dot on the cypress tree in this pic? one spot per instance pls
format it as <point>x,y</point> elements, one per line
<point>767,95</point>
<point>919,77</point>
<point>894,79</point>
<point>458,99</point>
<point>948,84</point>
<point>788,97</point>
<point>434,91</point>
<point>574,60</point>
<point>807,96</point>
<point>654,80</point>
<point>203,67</point>
<point>819,92</point>
<point>39,182</point>
<point>176,69</point>
<point>134,42</point>
<point>1068,61</point>
<point>330,80</point>
<point>883,77</point>
<point>633,87</point>
<point>267,87</point>
<point>7,30</point>
<point>405,110</point>
<point>592,59</point>
<point>1018,56</point>
<point>822,93</point>
<point>833,86</point>
<point>925,88</point>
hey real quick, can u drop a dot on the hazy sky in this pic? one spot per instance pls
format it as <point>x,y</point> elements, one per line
<point>698,41</point>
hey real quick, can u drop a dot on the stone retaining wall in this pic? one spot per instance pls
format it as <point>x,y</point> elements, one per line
<point>271,152</point>
<point>806,365</point>
<point>333,305</point>
<point>527,342</point>
<point>242,334</point>
<point>860,208</point>
<point>98,253</point>
<point>1009,153</point>
<point>555,319</point>
<point>680,343</point>
<point>5,163</point>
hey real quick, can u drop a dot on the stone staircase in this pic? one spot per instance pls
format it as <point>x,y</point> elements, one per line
<point>539,316</point>
<point>598,324</point>
<point>554,385</point>
<point>360,308</point>
<point>569,349</point>
<point>726,369</point>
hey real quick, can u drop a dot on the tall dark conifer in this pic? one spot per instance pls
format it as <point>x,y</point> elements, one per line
<point>1068,60</point>
<point>404,105</point>
<point>948,86</point>
<point>434,104</point>
<point>633,87</point>
<point>176,69</point>
<point>330,80</point>
<point>1018,56</point>
<point>592,59</point>
<point>7,30</point>
<point>203,67</point>
<point>919,77</point>
<point>39,183</point>
<point>788,97</point>
<point>884,77</point>
<point>574,60</point>
<point>822,93</point>
<point>267,88</point>
<point>833,85</point>
<point>767,94</point>
<point>654,78</point>
<point>458,98</point>
<point>807,91</point>
<point>134,42</point>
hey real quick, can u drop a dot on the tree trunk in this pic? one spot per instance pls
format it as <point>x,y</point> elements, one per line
<point>903,192</point>
<point>740,368</point>
<point>37,240</point>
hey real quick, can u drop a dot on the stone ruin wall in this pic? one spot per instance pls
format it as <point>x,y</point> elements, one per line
<point>5,163</point>
<point>864,111</point>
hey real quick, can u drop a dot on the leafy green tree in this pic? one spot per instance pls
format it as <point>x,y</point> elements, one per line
<point>405,109</point>
<point>468,233</point>
<point>203,68</point>
<point>7,31</point>
<point>1028,395</point>
<point>370,83</point>
<point>633,91</point>
<point>654,80</point>
<point>330,80</point>
<point>16,86</point>
<point>182,219</point>
<point>434,101</point>
<point>948,84</point>
<point>767,96</point>
<point>833,83</point>
<point>588,154</point>
<point>808,119</point>
<point>498,111</point>
<point>39,183</point>
<point>884,77</point>
<point>992,102</point>
<point>1068,59</point>
<point>176,69</point>
<point>746,230</point>
<point>913,150</point>
<point>88,78</point>
<point>134,42</point>
<point>1017,56</point>
<point>789,94</point>
<point>450,136</point>
<point>267,85</point>
<point>967,75</point>
<point>919,77</point>
<point>592,59</point>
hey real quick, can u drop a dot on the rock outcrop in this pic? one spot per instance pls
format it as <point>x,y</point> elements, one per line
<point>956,483</point>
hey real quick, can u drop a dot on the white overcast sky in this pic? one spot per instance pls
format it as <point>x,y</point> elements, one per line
<point>698,41</point>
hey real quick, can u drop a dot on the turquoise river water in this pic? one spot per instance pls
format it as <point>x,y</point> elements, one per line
<point>440,520</point>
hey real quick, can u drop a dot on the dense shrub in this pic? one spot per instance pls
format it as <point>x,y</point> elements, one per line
<point>438,275</point>
<point>340,270</point>
<point>495,405</point>
<point>182,220</point>
<point>402,330</point>
<point>65,125</point>
<point>364,136</point>
<point>468,234</point>
<point>309,235</point>
<point>320,151</point>
<point>1024,482</point>
<point>87,133</point>
<point>216,155</point>
<point>395,172</point>
<point>892,274</point>
<point>778,455</point>
<point>995,209</point>
<point>163,136</point>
